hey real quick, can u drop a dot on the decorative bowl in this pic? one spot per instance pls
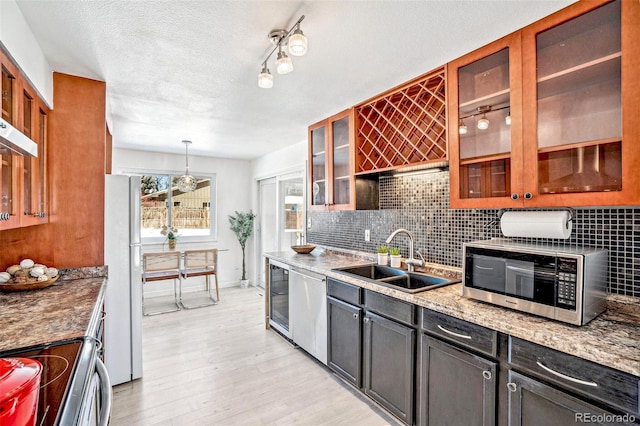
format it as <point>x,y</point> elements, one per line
<point>31,284</point>
<point>304,248</point>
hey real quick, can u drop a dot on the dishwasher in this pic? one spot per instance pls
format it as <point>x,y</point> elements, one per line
<point>308,312</point>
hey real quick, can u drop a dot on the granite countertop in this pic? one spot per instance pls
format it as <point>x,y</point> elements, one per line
<point>56,313</point>
<point>612,339</point>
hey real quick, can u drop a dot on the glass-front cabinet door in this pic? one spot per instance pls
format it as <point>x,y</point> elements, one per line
<point>485,124</point>
<point>9,164</point>
<point>318,165</point>
<point>574,107</point>
<point>35,202</point>
<point>341,167</point>
<point>331,177</point>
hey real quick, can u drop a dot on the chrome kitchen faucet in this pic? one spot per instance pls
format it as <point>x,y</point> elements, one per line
<point>411,262</point>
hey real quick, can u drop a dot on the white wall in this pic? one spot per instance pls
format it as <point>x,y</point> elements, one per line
<point>233,193</point>
<point>19,41</point>
<point>270,165</point>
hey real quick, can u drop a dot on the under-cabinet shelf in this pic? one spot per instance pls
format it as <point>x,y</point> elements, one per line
<point>602,69</point>
<point>485,158</point>
<point>496,100</point>
<point>567,146</point>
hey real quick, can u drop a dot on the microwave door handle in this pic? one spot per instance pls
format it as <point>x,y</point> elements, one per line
<point>518,269</point>
<point>484,267</point>
<point>105,393</point>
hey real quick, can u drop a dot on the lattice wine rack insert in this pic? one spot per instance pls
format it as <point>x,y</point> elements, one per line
<point>405,127</point>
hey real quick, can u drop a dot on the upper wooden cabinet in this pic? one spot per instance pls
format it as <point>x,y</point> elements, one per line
<point>23,180</point>
<point>568,84</point>
<point>404,126</point>
<point>331,178</point>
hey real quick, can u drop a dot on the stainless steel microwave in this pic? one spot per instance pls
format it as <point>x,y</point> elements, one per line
<point>564,284</point>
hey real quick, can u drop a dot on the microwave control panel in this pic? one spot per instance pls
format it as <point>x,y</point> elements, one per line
<point>567,282</point>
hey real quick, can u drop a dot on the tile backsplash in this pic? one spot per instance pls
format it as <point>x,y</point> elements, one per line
<point>420,203</point>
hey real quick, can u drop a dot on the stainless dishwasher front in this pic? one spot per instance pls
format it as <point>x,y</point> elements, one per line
<point>308,307</point>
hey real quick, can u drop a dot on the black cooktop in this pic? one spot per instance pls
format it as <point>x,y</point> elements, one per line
<point>58,362</point>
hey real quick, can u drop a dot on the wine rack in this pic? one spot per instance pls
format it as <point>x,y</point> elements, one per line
<point>406,126</point>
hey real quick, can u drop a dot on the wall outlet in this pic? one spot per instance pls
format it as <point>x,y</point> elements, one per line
<point>367,235</point>
<point>308,223</point>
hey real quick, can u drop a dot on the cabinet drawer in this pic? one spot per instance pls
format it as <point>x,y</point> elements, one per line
<point>583,377</point>
<point>390,307</point>
<point>460,331</point>
<point>347,292</point>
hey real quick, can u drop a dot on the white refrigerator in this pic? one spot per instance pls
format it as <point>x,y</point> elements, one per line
<point>123,299</point>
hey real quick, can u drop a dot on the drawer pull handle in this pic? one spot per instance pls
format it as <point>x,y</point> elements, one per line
<point>462,336</point>
<point>486,374</point>
<point>512,387</point>
<point>355,316</point>
<point>564,376</point>
<point>366,320</point>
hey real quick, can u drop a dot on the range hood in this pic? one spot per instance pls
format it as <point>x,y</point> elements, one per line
<point>16,141</point>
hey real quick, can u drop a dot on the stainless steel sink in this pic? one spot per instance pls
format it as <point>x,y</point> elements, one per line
<point>409,282</point>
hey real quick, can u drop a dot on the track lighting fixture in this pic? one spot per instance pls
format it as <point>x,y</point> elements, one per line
<point>483,122</point>
<point>297,45</point>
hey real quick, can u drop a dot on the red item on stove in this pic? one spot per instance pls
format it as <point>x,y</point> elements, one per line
<point>19,389</point>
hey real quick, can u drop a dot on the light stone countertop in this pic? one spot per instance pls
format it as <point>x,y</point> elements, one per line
<point>612,339</point>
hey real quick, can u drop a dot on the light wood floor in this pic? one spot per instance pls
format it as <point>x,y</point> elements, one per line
<point>219,366</point>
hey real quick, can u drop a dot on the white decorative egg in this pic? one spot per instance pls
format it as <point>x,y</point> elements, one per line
<point>13,268</point>
<point>40,265</point>
<point>36,272</point>
<point>52,272</point>
<point>4,277</point>
<point>43,278</point>
<point>26,263</point>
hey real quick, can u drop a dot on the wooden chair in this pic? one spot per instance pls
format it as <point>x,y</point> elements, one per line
<point>201,263</point>
<point>159,267</point>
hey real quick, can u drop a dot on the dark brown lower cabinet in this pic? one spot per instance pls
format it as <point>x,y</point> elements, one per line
<point>457,387</point>
<point>533,403</point>
<point>389,365</point>
<point>344,344</point>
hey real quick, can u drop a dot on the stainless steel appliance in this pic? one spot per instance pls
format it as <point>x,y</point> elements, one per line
<point>123,300</point>
<point>308,306</point>
<point>279,297</point>
<point>561,283</point>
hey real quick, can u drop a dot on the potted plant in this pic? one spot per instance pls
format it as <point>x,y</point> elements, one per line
<point>171,234</point>
<point>242,226</point>
<point>396,260</point>
<point>383,255</point>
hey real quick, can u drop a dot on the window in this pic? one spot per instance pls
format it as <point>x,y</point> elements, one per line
<point>191,212</point>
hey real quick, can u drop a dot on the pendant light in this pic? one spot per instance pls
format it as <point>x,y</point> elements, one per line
<point>483,123</point>
<point>187,183</point>
<point>265,79</point>
<point>283,63</point>
<point>462,128</point>
<point>297,42</point>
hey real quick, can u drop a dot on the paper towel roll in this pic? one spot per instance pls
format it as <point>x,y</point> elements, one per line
<point>553,224</point>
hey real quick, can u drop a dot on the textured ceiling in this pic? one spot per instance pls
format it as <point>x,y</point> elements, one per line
<point>188,69</point>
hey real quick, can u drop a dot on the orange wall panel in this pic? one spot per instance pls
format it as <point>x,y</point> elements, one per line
<point>74,236</point>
